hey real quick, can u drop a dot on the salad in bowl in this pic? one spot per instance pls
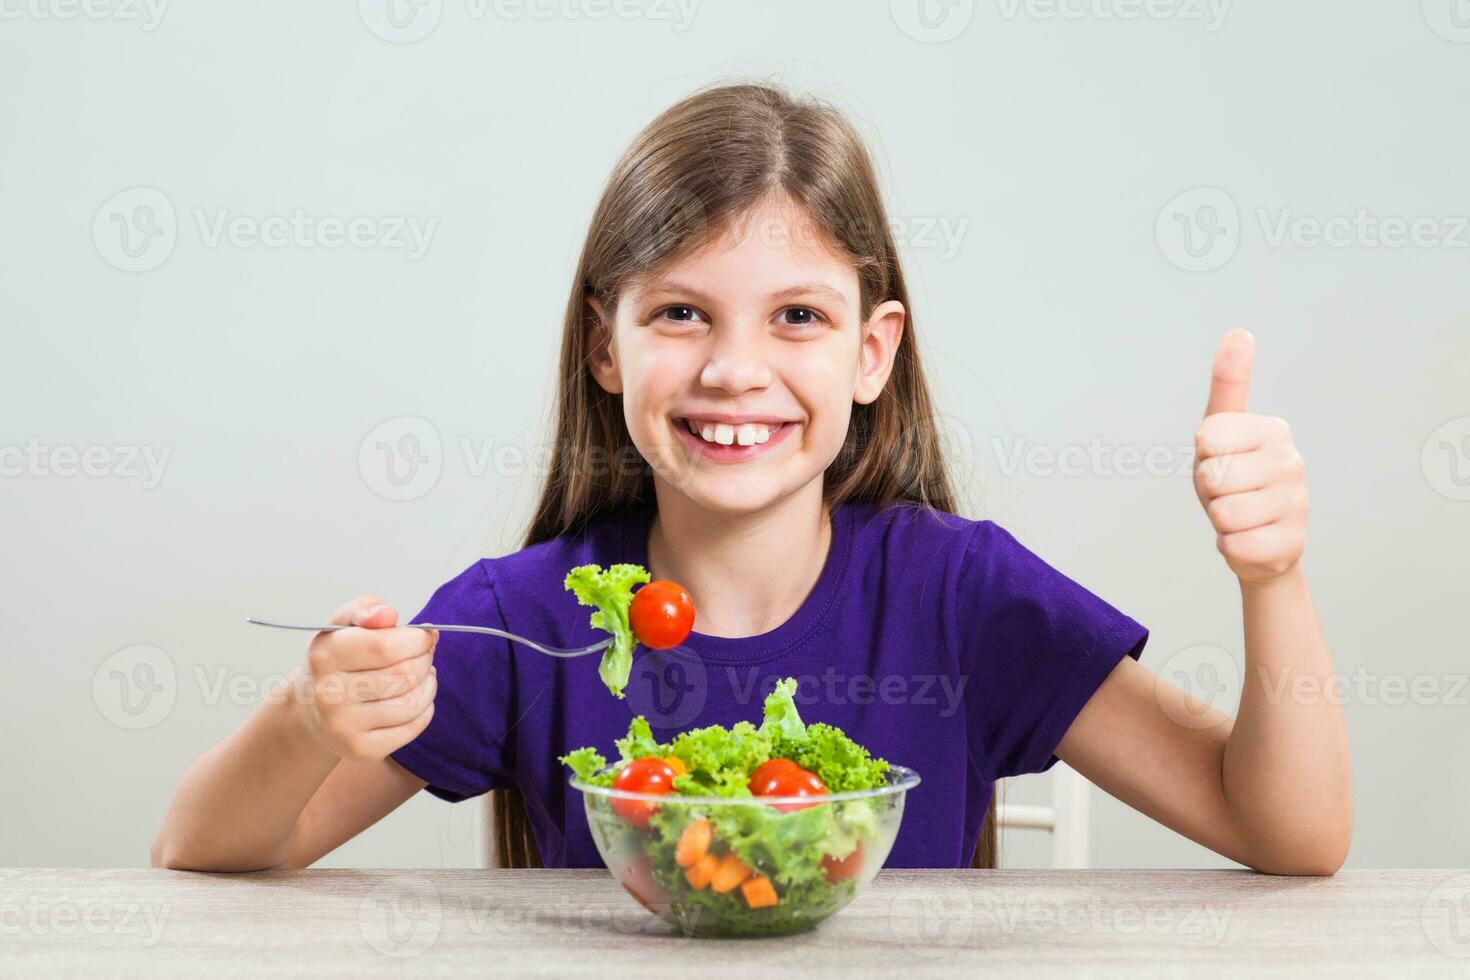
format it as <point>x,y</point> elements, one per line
<point>749,830</point>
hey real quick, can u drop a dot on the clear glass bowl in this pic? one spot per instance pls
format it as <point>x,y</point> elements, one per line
<point>814,853</point>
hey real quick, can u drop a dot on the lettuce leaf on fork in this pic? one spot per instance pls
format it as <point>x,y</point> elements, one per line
<point>611,591</point>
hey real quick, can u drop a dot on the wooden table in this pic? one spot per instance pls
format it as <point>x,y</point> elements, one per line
<point>1031,924</point>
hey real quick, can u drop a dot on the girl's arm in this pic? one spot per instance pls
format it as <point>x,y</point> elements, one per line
<point>1272,788</point>
<point>308,770</point>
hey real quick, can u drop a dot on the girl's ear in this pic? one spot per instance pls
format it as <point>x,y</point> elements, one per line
<point>601,355</point>
<point>881,335</point>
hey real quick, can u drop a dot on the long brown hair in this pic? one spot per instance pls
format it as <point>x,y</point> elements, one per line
<point>696,168</point>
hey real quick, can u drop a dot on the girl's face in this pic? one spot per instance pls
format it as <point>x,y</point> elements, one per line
<point>739,365</point>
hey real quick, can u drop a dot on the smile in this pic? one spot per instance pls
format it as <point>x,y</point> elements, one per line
<point>732,440</point>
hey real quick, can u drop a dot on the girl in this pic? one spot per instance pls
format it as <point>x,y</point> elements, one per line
<point>741,409</point>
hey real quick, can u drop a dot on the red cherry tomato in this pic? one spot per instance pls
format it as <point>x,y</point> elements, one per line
<point>641,776</point>
<point>841,869</point>
<point>767,771</point>
<point>662,614</point>
<point>636,877</point>
<point>782,777</point>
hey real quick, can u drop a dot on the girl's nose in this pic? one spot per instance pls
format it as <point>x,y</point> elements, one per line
<point>737,362</point>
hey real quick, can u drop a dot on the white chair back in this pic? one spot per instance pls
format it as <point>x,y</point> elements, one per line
<point>1066,818</point>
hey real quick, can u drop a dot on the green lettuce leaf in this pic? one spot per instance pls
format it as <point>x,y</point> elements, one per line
<point>639,743</point>
<point>781,716</point>
<point>611,591</point>
<point>840,763</point>
<point>720,759</point>
<point>587,763</point>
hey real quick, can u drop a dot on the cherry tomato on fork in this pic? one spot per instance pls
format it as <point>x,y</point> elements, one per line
<point>662,614</point>
<point>641,776</point>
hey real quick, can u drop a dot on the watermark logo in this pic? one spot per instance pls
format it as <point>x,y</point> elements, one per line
<point>1363,229</point>
<point>406,233</point>
<point>135,230</point>
<point>570,914</point>
<point>932,21</point>
<point>678,13</point>
<point>148,14</point>
<point>1446,917</point>
<point>142,923</point>
<point>1210,13</point>
<point>401,918</point>
<point>402,458</point>
<point>939,233</point>
<point>1014,456</point>
<point>1364,687</point>
<point>668,687</point>
<point>400,21</point>
<point>1199,230</point>
<point>1450,19</point>
<point>135,687</point>
<point>1010,914</point>
<point>1210,677</point>
<point>942,234</point>
<point>1446,459</point>
<point>144,464</point>
<point>933,922</point>
<point>407,21</point>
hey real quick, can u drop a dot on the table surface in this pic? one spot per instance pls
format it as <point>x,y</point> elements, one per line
<point>1034,924</point>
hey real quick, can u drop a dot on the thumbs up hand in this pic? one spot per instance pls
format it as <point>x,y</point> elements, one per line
<point>1248,474</point>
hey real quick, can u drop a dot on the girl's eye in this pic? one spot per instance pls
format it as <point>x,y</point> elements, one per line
<point>803,316</point>
<point>680,314</point>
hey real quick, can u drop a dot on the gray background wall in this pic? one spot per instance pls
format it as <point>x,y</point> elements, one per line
<point>1042,165</point>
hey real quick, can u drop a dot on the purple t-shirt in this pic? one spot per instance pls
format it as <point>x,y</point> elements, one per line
<point>937,642</point>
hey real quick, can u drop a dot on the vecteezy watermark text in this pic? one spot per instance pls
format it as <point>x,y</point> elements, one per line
<point>1210,13</point>
<point>37,917</point>
<point>837,688</point>
<point>137,229</point>
<point>1092,458</point>
<point>407,21</point>
<point>408,233</point>
<point>126,462</point>
<point>1201,229</point>
<point>936,922</point>
<point>147,13</point>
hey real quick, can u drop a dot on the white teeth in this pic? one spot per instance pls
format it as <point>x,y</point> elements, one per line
<point>745,434</point>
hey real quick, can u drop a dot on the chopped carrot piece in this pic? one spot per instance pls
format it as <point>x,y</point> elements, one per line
<point>677,764</point>
<point>759,892</point>
<point>702,871</point>
<point>731,872</point>
<point>694,843</point>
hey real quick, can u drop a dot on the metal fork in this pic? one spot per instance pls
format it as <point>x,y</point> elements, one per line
<point>486,630</point>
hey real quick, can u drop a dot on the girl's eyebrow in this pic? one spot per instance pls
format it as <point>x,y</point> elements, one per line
<point>811,289</point>
<point>802,289</point>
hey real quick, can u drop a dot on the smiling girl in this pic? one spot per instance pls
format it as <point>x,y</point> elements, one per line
<point>741,408</point>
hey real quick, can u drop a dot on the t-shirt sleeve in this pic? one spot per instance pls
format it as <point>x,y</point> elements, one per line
<point>467,748</point>
<point>1037,645</point>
